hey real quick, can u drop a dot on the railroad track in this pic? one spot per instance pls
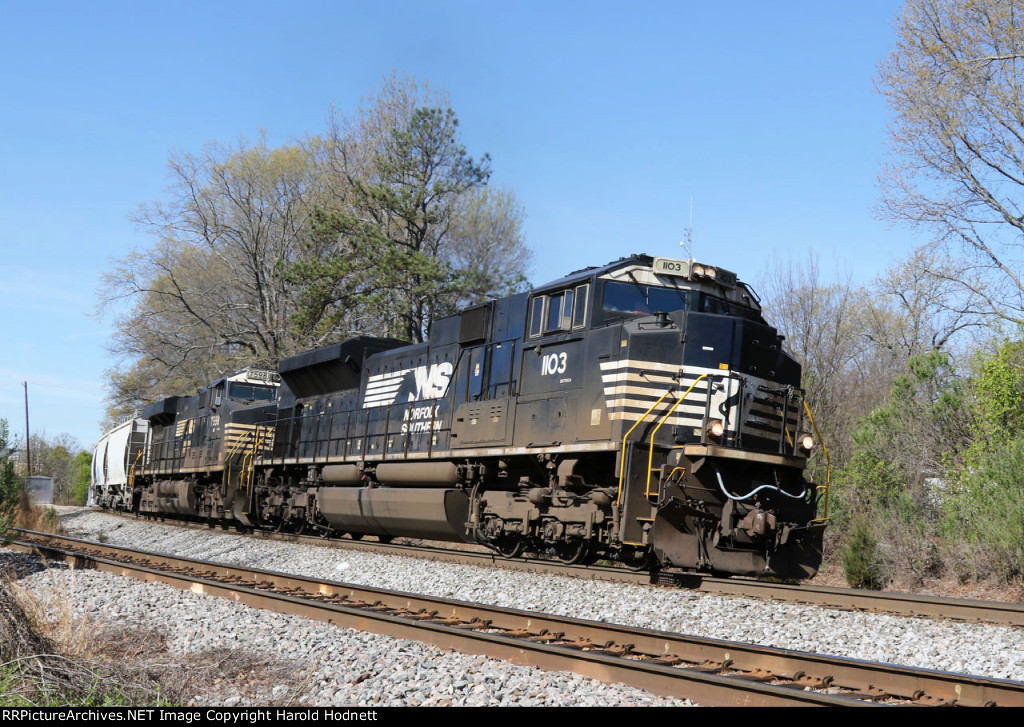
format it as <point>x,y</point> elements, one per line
<point>708,671</point>
<point>901,604</point>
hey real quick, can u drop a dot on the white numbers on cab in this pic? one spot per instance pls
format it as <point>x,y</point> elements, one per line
<point>553,363</point>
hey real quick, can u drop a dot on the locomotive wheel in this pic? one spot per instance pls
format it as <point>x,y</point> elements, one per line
<point>356,536</point>
<point>572,552</point>
<point>510,546</point>
<point>639,559</point>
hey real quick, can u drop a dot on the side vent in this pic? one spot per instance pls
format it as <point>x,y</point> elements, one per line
<point>475,324</point>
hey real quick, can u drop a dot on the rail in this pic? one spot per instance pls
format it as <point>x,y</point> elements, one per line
<point>710,671</point>
<point>899,604</point>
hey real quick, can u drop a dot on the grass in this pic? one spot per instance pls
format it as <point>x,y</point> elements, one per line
<point>41,518</point>
<point>51,656</point>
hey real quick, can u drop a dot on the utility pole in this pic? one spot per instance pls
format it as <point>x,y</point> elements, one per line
<point>28,440</point>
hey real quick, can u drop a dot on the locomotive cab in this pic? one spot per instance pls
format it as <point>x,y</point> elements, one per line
<point>204,446</point>
<point>669,415</point>
<point>711,422</point>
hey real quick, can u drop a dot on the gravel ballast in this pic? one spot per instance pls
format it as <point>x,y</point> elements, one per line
<point>329,665</point>
<point>346,667</point>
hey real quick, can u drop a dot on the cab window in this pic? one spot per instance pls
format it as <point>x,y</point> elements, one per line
<point>564,310</point>
<point>251,392</point>
<point>636,299</point>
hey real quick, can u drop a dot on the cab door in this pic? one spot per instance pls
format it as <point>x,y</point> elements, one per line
<point>552,368</point>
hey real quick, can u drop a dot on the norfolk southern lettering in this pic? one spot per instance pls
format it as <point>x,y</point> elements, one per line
<point>642,411</point>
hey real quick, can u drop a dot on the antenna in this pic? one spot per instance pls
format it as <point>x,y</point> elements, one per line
<point>687,242</point>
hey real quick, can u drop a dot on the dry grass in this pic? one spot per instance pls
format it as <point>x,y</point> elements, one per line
<point>51,656</point>
<point>41,518</point>
<point>217,674</point>
<point>51,614</point>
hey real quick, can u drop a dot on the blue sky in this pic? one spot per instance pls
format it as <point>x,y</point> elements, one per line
<point>605,118</point>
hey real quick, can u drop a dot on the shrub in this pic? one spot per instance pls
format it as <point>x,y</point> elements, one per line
<point>987,507</point>
<point>862,563</point>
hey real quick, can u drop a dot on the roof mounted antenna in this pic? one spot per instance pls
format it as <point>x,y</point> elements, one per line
<point>687,242</point>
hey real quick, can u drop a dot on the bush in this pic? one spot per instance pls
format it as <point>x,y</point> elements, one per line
<point>986,508</point>
<point>862,564</point>
<point>11,486</point>
<point>53,658</point>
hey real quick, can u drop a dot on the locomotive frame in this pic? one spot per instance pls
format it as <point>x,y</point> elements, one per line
<point>642,411</point>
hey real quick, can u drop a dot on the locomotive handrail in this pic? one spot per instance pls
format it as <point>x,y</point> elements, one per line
<point>650,456</point>
<point>622,458</point>
<point>622,455</point>
<point>245,459</point>
<point>828,462</point>
<point>227,458</point>
<point>248,461</point>
<point>131,470</point>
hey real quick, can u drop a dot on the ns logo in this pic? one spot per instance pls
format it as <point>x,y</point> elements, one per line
<point>426,382</point>
<point>421,383</point>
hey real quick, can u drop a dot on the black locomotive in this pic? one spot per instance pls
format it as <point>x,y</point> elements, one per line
<point>641,412</point>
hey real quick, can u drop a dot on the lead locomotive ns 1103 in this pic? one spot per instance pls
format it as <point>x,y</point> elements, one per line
<point>642,412</point>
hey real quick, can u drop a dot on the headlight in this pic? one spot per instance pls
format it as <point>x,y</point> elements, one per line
<point>715,429</point>
<point>710,272</point>
<point>697,271</point>
<point>806,442</point>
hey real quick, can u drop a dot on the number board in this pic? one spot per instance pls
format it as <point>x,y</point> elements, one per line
<point>668,266</point>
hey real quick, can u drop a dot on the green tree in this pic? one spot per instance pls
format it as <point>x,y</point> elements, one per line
<point>908,441</point>
<point>985,506</point>
<point>391,238</point>
<point>58,458</point>
<point>998,396</point>
<point>986,509</point>
<point>11,486</point>
<point>81,478</point>
<point>889,493</point>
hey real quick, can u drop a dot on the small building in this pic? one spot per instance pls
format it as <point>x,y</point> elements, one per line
<point>40,489</point>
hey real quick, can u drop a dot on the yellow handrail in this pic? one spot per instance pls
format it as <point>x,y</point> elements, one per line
<point>131,470</point>
<point>249,461</point>
<point>828,461</point>
<point>650,456</point>
<point>231,453</point>
<point>622,463</point>
<point>244,471</point>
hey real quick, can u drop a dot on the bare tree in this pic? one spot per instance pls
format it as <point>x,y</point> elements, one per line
<point>824,328</point>
<point>211,294</point>
<point>917,305</point>
<point>486,244</point>
<point>262,252</point>
<point>954,83</point>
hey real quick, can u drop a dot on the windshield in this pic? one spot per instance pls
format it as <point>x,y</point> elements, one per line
<point>251,392</point>
<point>636,299</point>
